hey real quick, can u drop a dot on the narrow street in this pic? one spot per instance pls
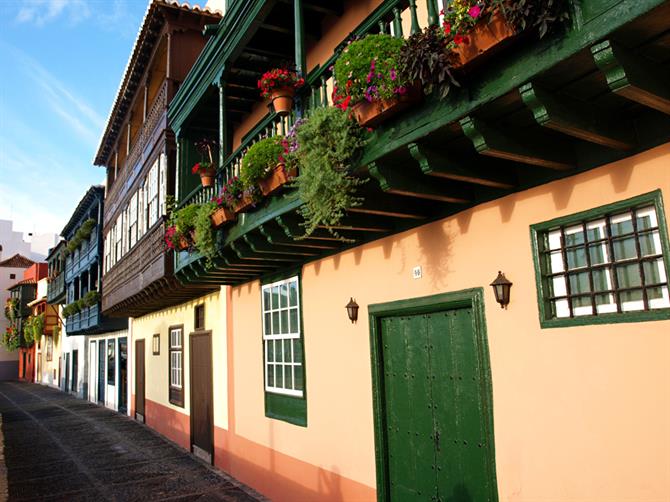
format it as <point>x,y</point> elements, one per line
<point>57,447</point>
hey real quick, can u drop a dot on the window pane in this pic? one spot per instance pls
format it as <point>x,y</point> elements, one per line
<point>576,258</point>
<point>299,383</point>
<point>279,376</point>
<point>297,350</point>
<point>295,325</point>
<point>574,235</point>
<point>287,351</point>
<point>293,293</point>
<point>288,377</point>
<point>579,283</point>
<point>555,239</point>
<point>582,305</point>
<point>556,262</point>
<point>653,272</point>
<point>650,244</point>
<point>646,218</point>
<point>631,300</point>
<point>271,350</point>
<point>596,230</point>
<point>655,293</point>
<point>271,375</point>
<point>598,254</point>
<point>628,276</point>
<point>283,293</point>
<point>268,324</point>
<point>624,249</point>
<point>621,224</point>
<point>275,323</point>
<point>601,280</point>
<point>266,299</point>
<point>559,288</point>
<point>284,322</point>
<point>275,297</point>
<point>279,351</point>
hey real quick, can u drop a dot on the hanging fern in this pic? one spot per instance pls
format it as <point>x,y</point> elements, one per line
<point>329,142</point>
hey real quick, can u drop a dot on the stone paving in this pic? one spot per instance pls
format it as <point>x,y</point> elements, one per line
<point>58,447</point>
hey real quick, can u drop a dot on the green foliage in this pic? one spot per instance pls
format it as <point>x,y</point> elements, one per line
<point>367,68</point>
<point>33,329</point>
<point>541,14</point>
<point>83,233</point>
<point>10,339</point>
<point>205,236</point>
<point>181,223</point>
<point>424,58</point>
<point>329,141</point>
<point>11,309</point>
<point>91,298</point>
<point>260,159</point>
<point>72,308</point>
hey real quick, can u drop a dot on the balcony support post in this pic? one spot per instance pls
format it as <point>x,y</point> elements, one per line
<point>300,54</point>
<point>223,130</point>
<point>432,12</point>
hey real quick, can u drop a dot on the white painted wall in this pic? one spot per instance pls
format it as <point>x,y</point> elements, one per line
<point>35,247</point>
<point>68,344</point>
<point>111,390</point>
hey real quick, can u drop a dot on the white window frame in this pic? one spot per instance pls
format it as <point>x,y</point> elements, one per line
<point>132,221</point>
<point>294,333</point>
<point>152,198</point>
<point>176,349</point>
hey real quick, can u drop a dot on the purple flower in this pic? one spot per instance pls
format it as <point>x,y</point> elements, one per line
<point>393,75</point>
<point>475,11</point>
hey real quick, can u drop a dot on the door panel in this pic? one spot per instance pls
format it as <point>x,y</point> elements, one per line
<point>75,371</point>
<point>436,412</point>
<point>139,380</point>
<point>202,420</point>
<point>123,375</point>
<point>409,421</point>
<point>101,371</point>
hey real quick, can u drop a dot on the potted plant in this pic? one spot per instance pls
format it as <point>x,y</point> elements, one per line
<point>368,79</point>
<point>181,226</point>
<point>206,168</point>
<point>236,197</point>
<point>263,165</point>
<point>474,28</point>
<point>426,59</point>
<point>279,85</point>
<point>221,213</point>
<point>329,143</point>
<point>205,236</point>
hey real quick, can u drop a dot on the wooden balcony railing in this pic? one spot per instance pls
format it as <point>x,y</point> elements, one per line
<point>56,288</point>
<point>75,266</point>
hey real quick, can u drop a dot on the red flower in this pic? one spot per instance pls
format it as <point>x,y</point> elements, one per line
<point>447,28</point>
<point>196,168</point>
<point>460,39</point>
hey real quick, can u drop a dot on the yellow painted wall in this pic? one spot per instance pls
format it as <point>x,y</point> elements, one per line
<point>580,413</point>
<point>157,366</point>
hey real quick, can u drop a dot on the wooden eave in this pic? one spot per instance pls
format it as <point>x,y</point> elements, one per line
<point>537,112</point>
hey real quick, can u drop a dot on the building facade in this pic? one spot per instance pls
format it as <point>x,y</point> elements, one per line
<point>549,162</point>
<point>11,269</point>
<point>82,282</point>
<point>46,336</point>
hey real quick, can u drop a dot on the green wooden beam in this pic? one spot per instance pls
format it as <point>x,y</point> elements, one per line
<point>442,164</point>
<point>396,180</point>
<point>276,235</point>
<point>493,142</point>
<point>633,76</point>
<point>576,118</point>
<point>259,244</point>
<point>245,252</point>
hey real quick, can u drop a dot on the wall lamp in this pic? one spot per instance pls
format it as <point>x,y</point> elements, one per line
<point>501,288</point>
<point>352,310</point>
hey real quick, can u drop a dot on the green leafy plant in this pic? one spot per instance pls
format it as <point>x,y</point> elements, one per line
<point>33,329</point>
<point>83,233</point>
<point>10,339</point>
<point>11,309</point>
<point>329,142</point>
<point>181,224</point>
<point>260,159</point>
<point>369,69</point>
<point>71,308</point>
<point>91,298</point>
<point>205,236</point>
<point>424,58</point>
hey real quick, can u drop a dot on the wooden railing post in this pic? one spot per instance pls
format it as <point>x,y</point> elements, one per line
<point>432,12</point>
<point>415,20</point>
<point>300,54</point>
<point>222,177</point>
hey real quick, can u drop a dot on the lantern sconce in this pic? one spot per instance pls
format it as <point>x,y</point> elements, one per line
<point>352,310</point>
<point>501,288</point>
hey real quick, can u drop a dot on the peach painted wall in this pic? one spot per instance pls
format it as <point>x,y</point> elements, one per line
<point>156,367</point>
<point>580,413</point>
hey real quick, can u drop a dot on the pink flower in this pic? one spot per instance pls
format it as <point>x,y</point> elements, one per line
<point>475,11</point>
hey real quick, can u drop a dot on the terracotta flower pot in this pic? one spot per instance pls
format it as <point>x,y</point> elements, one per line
<point>243,205</point>
<point>282,100</point>
<point>485,36</point>
<point>207,176</point>
<point>278,177</point>
<point>184,244</point>
<point>371,114</point>
<point>221,215</point>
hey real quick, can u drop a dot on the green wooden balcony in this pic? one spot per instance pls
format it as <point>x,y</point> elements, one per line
<point>539,111</point>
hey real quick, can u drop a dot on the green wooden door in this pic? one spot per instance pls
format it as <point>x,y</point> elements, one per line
<point>436,410</point>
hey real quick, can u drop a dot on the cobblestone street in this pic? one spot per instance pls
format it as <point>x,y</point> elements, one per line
<point>57,447</point>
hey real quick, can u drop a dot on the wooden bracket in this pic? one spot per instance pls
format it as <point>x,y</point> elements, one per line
<point>576,118</point>
<point>493,142</point>
<point>395,179</point>
<point>444,165</point>
<point>632,76</point>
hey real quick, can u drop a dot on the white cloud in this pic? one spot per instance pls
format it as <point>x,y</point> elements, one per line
<point>40,12</point>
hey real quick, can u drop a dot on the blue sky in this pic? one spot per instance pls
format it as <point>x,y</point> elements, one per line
<point>61,62</point>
